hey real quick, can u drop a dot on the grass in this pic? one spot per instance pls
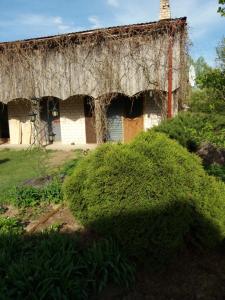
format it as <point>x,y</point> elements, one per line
<point>19,166</point>
<point>16,167</point>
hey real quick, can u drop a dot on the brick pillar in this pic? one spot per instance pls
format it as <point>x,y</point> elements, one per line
<point>165,12</point>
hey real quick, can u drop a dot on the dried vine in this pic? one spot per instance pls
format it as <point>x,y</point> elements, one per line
<point>101,64</point>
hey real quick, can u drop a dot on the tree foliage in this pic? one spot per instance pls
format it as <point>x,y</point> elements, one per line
<point>210,93</point>
<point>221,8</point>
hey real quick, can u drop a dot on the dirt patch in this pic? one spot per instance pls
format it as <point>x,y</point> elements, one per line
<point>58,158</point>
<point>193,275</point>
<point>10,211</point>
<point>59,215</point>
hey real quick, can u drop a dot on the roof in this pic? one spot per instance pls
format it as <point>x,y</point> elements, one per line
<point>116,30</point>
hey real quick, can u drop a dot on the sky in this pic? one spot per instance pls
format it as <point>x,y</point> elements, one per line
<point>21,19</point>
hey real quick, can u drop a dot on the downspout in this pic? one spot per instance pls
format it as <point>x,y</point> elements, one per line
<point>170,78</point>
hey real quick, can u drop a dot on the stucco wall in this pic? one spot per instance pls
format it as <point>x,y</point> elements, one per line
<point>72,121</point>
<point>19,122</point>
<point>152,112</point>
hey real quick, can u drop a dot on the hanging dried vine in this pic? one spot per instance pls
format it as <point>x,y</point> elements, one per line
<point>99,63</point>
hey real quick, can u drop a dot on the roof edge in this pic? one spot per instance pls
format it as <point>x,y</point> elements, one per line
<point>93,31</point>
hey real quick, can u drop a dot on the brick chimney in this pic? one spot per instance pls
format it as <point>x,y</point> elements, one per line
<point>165,12</point>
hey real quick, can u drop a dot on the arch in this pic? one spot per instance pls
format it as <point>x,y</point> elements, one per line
<point>73,119</point>
<point>4,123</point>
<point>49,107</point>
<point>20,127</point>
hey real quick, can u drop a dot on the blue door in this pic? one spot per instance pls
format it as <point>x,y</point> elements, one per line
<point>115,121</point>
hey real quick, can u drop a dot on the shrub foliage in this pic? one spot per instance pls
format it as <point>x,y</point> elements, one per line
<point>191,129</point>
<point>150,195</point>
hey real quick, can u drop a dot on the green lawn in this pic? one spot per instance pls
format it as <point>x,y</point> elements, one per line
<point>18,166</point>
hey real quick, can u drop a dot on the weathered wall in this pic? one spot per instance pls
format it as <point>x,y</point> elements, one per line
<point>127,65</point>
<point>72,121</point>
<point>153,113</point>
<point>19,122</point>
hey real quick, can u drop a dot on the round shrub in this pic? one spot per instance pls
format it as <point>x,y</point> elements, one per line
<point>151,195</point>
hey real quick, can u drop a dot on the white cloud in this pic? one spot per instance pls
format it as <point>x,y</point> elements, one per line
<point>51,23</point>
<point>204,22</point>
<point>95,22</point>
<point>114,3</point>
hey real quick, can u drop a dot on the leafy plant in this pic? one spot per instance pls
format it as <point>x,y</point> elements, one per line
<point>28,196</point>
<point>217,171</point>
<point>2,209</point>
<point>53,191</point>
<point>53,266</point>
<point>10,226</point>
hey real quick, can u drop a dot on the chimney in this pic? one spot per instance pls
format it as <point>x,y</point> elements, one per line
<point>165,12</point>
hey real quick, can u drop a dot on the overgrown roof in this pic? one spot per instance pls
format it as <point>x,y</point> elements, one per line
<point>124,30</point>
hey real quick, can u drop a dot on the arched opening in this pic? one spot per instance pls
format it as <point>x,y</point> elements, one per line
<point>128,116</point>
<point>72,120</point>
<point>133,117</point>
<point>114,114</point>
<point>20,127</point>
<point>89,120</point>
<point>4,123</point>
<point>50,120</point>
<point>154,107</point>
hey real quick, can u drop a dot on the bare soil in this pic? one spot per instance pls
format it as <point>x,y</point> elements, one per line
<point>193,275</point>
<point>58,158</point>
<point>59,215</point>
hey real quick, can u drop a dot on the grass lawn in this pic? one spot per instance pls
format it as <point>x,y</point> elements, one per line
<point>18,166</point>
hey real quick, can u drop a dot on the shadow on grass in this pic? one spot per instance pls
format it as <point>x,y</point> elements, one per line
<point>2,161</point>
<point>63,266</point>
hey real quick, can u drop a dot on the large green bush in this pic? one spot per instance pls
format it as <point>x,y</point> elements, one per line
<point>191,129</point>
<point>151,195</point>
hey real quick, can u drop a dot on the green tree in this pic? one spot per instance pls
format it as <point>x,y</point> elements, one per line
<point>221,8</point>
<point>220,50</point>
<point>201,66</point>
<point>210,93</point>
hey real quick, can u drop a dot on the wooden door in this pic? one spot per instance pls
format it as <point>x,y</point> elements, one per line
<point>89,122</point>
<point>133,119</point>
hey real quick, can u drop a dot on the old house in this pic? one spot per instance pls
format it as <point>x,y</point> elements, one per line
<point>93,86</point>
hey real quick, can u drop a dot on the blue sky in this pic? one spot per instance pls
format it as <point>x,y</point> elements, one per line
<point>20,19</point>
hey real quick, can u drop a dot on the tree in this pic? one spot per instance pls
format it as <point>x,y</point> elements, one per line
<point>220,50</point>
<point>221,8</point>
<point>210,95</point>
<point>201,66</point>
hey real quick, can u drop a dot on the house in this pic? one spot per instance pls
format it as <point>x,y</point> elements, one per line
<point>93,86</point>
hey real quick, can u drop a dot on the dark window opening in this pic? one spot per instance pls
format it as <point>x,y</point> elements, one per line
<point>88,107</point>
<point>133,108</point>
<point>4,121</point>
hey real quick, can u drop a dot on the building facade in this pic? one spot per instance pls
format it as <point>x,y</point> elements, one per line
<point>93,86</point>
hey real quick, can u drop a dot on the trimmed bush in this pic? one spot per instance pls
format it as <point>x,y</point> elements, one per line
<point>151,195</point>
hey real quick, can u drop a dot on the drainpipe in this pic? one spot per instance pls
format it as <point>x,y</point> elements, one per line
<point>170,78</point>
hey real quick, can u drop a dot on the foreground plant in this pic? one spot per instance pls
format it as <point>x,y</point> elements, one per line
<point>150,195</point>
<point>53,266</point>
